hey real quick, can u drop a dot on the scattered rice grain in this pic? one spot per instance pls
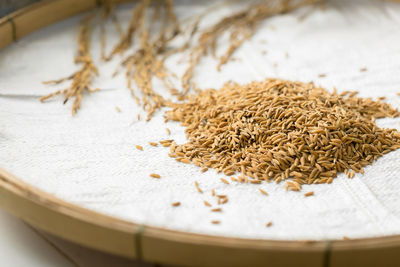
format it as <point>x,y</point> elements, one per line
<point>155,175</point>
<point>224,181</point>
<point>207,203</point>
<point>308,194</point>
<point>263,192</point>
<point>196,184</point>
<point>176,204</point>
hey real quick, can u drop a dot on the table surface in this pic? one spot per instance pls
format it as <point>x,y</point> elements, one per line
<point>21,246</point>
<point>24,246</point>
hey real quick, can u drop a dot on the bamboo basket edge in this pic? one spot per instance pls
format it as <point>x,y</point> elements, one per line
<point>36,16</point>
<point>120,237</point>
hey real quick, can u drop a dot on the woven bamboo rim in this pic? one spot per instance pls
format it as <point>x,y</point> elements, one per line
<point>152,244</point>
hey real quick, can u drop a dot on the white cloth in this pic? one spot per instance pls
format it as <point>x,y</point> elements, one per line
<point>91,160</point>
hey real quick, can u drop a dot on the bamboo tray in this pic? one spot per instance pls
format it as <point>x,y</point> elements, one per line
<point>152,244</point>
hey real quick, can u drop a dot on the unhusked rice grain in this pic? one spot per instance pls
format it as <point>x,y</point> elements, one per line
<point>282,131</point>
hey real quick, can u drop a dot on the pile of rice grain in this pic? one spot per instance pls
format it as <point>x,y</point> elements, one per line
<point>283,130</point>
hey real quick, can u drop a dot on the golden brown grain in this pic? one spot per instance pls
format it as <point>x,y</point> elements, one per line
<point>176,204</point>
<point>268,224</point>
<point>293,186</point>
<point>166,141</point>
<point>215,222</point>
<point>242,179</point>
<point>363,69</point>
<point>207,203</point>
<point>155,175</point>
<point>168,131</point>
<point>185,160</point>
<point>263,192</point>
<point>308,194</point>
<point>139,147</point>
<point>224,181</point>
<point>282,131</point>
<point>153,144</point>
<point>217,210</point>
<point>350,174</point>
<point>196,184</point>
